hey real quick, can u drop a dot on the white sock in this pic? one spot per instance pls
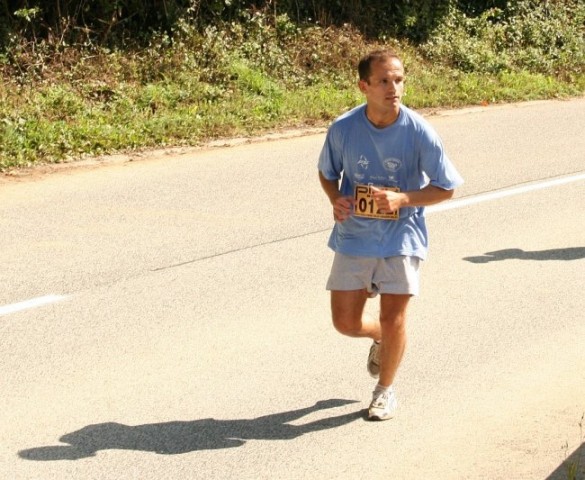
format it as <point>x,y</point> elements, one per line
<point>380,389</point>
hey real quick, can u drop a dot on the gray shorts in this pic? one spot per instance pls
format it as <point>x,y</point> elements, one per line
<point>394,275</point>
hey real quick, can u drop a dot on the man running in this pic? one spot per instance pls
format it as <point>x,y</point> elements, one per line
<point>381,164</point>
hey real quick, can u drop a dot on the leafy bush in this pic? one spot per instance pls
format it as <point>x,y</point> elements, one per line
<point>541,37</point>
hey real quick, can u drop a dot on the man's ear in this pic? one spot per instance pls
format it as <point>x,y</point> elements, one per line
<point>362,84</point>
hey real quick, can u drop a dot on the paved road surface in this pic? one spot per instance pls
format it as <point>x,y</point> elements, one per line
<point>167,319</point>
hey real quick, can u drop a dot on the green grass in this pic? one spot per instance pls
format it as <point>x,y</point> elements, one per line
<point>58,123</point>
<point>454,89</point>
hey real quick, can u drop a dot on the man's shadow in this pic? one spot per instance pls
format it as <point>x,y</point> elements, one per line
<point>574,253</point>
<point>181,437</point>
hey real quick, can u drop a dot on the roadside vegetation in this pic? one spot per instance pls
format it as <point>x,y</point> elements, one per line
<point>65,94</point>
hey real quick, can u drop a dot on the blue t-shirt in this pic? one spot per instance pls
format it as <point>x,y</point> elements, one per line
<point>407,154</point>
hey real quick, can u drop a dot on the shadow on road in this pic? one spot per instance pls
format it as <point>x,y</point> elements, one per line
<point>573,468</point>
<point>181,437</point>
<point>575,253</point>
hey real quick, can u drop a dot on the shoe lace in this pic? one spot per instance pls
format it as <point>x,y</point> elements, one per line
<point>381,400</point>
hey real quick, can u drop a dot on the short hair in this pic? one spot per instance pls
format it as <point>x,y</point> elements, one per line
<point>365,64</point>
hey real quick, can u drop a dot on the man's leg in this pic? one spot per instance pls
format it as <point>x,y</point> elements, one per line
<point>347,308</point>
<point>393,326</point>
<point>393,333</point>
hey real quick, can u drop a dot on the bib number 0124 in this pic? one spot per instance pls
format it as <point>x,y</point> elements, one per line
<point>365,205</point>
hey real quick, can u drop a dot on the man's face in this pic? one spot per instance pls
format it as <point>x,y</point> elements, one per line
<point>385,87</point>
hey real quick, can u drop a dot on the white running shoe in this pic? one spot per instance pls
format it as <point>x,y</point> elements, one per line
<point>383,406</point>
<point>374,360</point>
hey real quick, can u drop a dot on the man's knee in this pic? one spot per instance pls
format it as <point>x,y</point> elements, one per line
<point>347,308</point>
<point>394,323</point>
<point>347,325</point>
<point>393,312</point>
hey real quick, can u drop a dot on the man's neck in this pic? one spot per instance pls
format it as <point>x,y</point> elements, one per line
<point>382,119</point>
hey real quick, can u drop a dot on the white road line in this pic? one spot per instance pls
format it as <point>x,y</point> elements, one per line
<point>457,203</point>
<point>485,197</point>
<point>32,303</point>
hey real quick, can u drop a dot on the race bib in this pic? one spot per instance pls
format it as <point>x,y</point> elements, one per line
<point>365,205</point>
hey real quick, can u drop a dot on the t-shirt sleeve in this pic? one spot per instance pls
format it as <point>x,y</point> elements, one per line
<point>330,160</point>
<point>435,163</point>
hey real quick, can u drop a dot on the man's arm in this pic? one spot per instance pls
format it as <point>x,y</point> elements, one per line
<point>341,205</point>
<point>390,202</point>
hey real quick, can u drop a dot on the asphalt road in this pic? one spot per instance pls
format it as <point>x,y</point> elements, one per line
<point>167,318</point>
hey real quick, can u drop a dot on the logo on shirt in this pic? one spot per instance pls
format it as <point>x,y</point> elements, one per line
<point>363,162</point>
<point>392,164</point>
<point>359,176</point>
<point>378,178</point>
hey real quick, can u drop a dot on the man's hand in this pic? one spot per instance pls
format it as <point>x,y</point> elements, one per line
<point>387,200</point>
<point>342,207</point>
